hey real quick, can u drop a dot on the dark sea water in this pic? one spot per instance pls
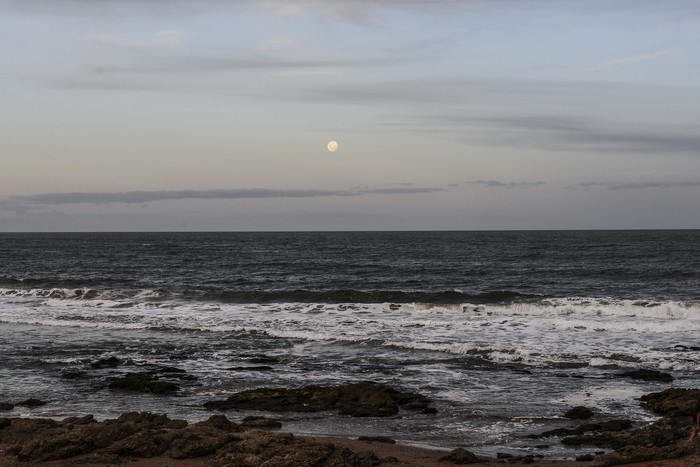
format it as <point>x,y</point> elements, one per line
<point>504,331</point>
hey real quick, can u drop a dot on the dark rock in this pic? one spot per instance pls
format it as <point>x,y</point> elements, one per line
<point>659,435</point>
<point>377,439</point>
<point>364,399</point>
<point>282,449</point>
<point>461,456</point>
<point>674,402</point>
<point>4,422</point>
<point>261,422</point>
<point>82,441</point>
<point>143,382</point>
<point>6,406</point>
<point>607,426</point>
<point>616,425</point>
<point>148,420</point>
<point>579,413</point>
<point>111,362</point>
<point>220,422</point>
<point>72,421</point>
<point>73,374</point>
<point>585,457</point>
<point>31,403</point>
<point>504,455</point>
<point>648,375</point>
<point>263,360</point>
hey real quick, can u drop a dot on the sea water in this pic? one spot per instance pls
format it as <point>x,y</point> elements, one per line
<point>503,331</point>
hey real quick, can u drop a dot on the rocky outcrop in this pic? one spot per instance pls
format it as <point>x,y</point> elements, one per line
<point>664,439</point>
<point>461,456</point>
<point>143,382</point>
<point>146,435</point>
<point>364,399</point>
<point>674,402</point>
<point>262,423</point>
<point>32,403</point>
<point>648,375</point>
<point>579,413</point>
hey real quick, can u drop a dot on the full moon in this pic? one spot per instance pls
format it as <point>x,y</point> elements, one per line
<point>332,146</point>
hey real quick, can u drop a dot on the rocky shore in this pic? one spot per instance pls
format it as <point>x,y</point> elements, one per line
<point>149,439</point>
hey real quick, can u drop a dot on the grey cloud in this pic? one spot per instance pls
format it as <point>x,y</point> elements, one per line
<point>497,184</point>
<point>562,133</point>
<point>258,62</point>
<point>19,203</point>
<point>401,190</point>
<point>137,197</point>
<point>640,185</point>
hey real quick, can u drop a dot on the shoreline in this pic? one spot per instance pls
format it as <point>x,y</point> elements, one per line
<point>388,454</point>
<point>145,439</point>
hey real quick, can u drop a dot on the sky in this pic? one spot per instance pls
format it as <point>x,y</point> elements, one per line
<point>151,115</point>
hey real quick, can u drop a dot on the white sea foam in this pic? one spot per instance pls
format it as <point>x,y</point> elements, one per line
<point>576,330</point>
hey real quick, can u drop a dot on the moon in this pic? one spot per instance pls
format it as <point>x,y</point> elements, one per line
<point>332,146</point>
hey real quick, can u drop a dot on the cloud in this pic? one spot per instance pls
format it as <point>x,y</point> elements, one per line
<point>615,186</point>
<point>19,203</point>
<point>138,197</point>
<point>637,58</point>
<point>563,133</point>
<point>241,63</point>
<point>163,38</point>
<point>508,185</point>
<point>401,190</point>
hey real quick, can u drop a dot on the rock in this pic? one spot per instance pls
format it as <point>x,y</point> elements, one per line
<point>261,422</point>
<point>83,441</point>
<point>674,402</point>
<point>259,448</point>
<point>31,403</point>
<point>6,406</point>
<point>72,421</point>
<point>220,422</point>
<point>461,456</point>
<point>579,413</point>
<point>648,375</point>
<point>143,382</point>
<point>585,458</point>
<point>364,399</point>
<point>73,374</point>
<point>606,426</point>
<point>111,362</point>
<point>377,439</point>
<point>663,439</point>
<point>639,453</point>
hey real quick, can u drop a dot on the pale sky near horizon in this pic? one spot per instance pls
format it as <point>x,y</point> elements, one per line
<point>473,114</point>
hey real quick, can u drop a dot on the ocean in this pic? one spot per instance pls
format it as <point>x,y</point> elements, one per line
<point>503,331</point>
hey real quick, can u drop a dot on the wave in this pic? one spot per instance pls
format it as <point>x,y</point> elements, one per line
<point>447,297</point>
